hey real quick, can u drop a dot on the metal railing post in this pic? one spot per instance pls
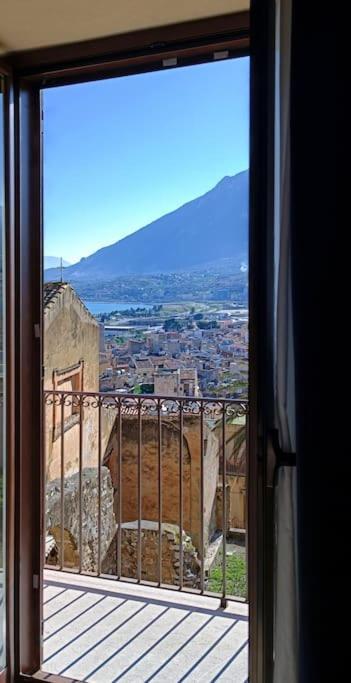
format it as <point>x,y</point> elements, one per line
<point>202,542</point>
<point>136,406</point>
<point>159,468</point>
<point>62,492</point>
<point>80,485</point>
<point>224,512</point>
<point>119,508</point>
<point>99,490</point>
<point>139,494</point>
<point>181,496</point>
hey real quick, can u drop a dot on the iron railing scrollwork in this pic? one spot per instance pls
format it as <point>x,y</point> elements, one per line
<point>214,413</point>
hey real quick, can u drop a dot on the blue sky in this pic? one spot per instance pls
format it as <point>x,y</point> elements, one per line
<point>122,152</point>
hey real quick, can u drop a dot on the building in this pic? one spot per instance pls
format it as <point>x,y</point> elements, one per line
<point>101,337</point>
<point>173,346</point>
<point>170,472</point>
<point>180,382</point>
<point>135,345</point>
<point>71,363</point>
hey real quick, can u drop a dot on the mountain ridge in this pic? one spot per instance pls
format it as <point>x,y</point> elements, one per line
<point>54,262</point>
<point>213,227</point>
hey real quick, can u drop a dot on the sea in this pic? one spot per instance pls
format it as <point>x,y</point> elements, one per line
<point>97,307</point>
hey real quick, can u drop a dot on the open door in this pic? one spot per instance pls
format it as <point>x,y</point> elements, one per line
<point>2,399</point>
<point>6,378</point>
<point>29,330</point>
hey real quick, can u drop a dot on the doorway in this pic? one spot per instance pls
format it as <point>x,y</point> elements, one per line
<point>145,366</point>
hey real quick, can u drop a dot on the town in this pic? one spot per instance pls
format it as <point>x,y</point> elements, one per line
<point>175,350</point>
<point>165,467</point>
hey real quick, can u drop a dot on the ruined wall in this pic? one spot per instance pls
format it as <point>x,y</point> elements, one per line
<point>70,334</point>
<point>236,447</point>
<point>237,508</point>
<point>219,506</point>
<point>236,473</point>
<point>71,508</point>
<point>170,479</point>
<point>150,554</point>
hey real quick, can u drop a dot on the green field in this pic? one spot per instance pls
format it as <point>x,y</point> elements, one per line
<point>236,576</point>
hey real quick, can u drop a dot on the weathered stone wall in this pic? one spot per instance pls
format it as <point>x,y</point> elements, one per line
<point>150,554</point>
<point>236,475</point>
<point>236,447</point>
<point>237,508</point>
<point>71,509</point>
<point>211,468</point>
<point>170,478</point>
<point>71,334</point>
<point>219,507</point>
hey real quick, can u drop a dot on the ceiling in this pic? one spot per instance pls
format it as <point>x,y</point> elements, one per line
<point>27,24</point>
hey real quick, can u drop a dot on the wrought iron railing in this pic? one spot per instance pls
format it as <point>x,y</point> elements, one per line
<point>98,420</point>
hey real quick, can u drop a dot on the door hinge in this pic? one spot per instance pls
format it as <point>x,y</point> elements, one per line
<point>35,581</point>
<point>37,331</point>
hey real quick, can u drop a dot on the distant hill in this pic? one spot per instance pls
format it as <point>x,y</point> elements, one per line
<point>54,262</point>
<point>210,229</point>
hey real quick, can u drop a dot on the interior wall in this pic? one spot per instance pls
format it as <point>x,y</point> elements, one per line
<point>26,25</point>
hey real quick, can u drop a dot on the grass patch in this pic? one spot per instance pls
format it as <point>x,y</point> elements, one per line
<point>236,576</point>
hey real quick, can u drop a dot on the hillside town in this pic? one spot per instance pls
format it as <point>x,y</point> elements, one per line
<point>190,354</point>
<point>154,469</point>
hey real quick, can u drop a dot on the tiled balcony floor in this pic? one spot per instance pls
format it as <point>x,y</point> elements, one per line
<point>99,630</point>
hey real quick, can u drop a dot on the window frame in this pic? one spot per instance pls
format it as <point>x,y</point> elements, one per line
<point>76,374</point>
<point>138,52</point>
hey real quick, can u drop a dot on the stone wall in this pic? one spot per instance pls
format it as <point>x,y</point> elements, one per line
<point>71,334</point>
<point>237,495</point>
<point>150,554</point>
<point>219,507</point>
<point>236,473</point>
<point>89,552</point>
<point>236,446</point>
<point>170,478</point>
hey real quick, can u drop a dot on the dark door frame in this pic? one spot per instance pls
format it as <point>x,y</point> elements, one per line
<point>190,43</point>
<point>261,394</point>
<point>9,406</point>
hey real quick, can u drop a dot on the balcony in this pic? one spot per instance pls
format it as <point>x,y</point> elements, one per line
<point>145,574</point>
<point>98,630</point>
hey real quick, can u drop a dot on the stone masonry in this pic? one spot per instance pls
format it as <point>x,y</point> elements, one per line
<point>89,516</point>
<point>149,554</point>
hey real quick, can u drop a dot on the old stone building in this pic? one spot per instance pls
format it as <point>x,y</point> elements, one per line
<point>170,472</point>
<point>71,363</point>
<point>236,472</point>
<point>176,382</point>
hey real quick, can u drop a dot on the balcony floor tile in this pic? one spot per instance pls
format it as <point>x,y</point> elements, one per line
<point>104,631</point>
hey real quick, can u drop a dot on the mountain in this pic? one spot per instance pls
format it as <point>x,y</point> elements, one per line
<point>54,262</point>
<point>207,230</point>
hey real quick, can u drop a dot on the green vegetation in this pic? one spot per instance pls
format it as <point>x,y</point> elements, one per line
<point>147,388</point>
<point>207,324</point>
<point>236,576</point>
<point>173,324</point>
<point>139,334</point>
<point>185,288</point>
<point>230,389</point>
